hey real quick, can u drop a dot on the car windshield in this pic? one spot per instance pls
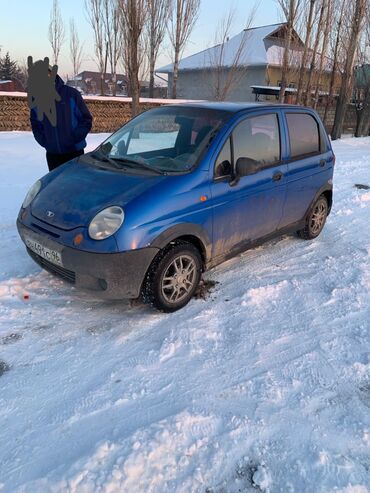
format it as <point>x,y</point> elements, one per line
<point>165,139</point>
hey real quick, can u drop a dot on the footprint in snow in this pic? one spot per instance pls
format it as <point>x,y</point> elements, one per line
<point>364,394</point>
<point>10,338</point>
<point>4,367</point>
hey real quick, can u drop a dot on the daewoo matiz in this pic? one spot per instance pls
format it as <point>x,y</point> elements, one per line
<point>176,191</point>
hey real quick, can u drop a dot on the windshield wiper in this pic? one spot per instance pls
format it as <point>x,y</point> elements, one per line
<point>102,157</point>
<point>136,164</point>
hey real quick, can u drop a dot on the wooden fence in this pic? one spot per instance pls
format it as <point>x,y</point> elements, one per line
<point>110,114</point>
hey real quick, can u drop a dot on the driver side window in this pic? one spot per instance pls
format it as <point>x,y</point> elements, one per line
<point>223,165</point>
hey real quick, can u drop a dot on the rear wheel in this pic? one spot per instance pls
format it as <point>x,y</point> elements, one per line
<point>315,220</point>
<point>173,277</point>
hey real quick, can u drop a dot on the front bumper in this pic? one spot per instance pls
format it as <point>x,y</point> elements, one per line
<point>109,275</point>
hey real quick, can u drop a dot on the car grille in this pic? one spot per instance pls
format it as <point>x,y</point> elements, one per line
<point>57,270</point>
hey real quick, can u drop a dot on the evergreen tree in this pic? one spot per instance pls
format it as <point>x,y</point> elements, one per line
<point>8,68</point>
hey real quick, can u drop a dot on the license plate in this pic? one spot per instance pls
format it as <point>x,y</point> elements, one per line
<point>46,253</point>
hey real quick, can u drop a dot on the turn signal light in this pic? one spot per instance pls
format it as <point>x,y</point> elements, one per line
<point>77,240</point>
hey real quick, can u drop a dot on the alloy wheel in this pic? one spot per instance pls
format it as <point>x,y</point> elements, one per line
<point>318,217</point>
<point>179,278</point>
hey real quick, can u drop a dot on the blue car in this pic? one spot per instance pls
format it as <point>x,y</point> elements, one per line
<point>176,191</point>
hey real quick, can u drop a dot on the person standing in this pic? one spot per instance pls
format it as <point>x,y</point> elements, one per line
<point>59,117</point>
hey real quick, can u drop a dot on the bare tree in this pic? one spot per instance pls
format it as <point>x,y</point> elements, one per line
<point>95,15</point>
<point>314,54</point>
<point>23,72</point>
<point>159,12</point>
<point>133,18</point>
<point>357,23</point>
<point>335,56</point>
<point>228,71</point>
<point>113,36</point>
<point>324,48</point>
<point>75,48</point>
<point>307,40</point>
<point>362,89</point>
<point>290,9</point>
<point>56,31</point>
<point>184,16</point>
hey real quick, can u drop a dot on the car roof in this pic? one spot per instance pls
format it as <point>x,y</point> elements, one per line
<point>234,107</point>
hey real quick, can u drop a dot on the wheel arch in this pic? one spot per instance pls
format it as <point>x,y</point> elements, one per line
<point>191,233</point>
<point>327,191</point>
<point>328,194</point>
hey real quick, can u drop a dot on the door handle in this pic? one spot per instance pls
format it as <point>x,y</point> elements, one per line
<point>322,163</point>
<point>277,176</point>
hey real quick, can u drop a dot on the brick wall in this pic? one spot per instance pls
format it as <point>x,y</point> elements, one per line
<point>349,122</point>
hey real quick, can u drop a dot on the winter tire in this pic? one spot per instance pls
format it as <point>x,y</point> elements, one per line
<point>173,277</point>
<point>315,219</point>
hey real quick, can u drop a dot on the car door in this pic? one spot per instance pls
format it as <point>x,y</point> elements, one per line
<point>309,162</point>
<point>251,207</point>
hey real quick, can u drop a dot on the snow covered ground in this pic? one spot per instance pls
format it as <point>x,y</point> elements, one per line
<point>263,386</point>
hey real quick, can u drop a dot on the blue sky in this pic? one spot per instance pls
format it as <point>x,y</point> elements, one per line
<point>23,29</point>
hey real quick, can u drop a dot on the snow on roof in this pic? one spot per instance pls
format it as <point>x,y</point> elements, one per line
<point>5,81</point>
<point>257,51</point>
<point>287,89</point>
<point>275,88</point>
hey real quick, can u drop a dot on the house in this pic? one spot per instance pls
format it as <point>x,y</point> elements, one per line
<point>11,85</point>
<point>7,85</point>
<point>245,67</point>
<point>89,82</point>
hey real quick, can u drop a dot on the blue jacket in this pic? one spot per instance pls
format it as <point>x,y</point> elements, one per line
<point>74,122</point>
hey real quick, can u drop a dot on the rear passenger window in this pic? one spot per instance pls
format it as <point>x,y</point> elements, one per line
<point>303,134</point>
<point>258,138</point>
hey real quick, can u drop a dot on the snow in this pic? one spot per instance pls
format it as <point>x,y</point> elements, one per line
<point>262,386</point>
<point>251,47</point>
<point>255,52</point>
<point>121,99</point>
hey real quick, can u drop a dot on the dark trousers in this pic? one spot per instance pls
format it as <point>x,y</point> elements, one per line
<point>55,160</point>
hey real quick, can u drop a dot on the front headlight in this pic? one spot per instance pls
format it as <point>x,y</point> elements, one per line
<point>31,194</point>
<point>106,223</point>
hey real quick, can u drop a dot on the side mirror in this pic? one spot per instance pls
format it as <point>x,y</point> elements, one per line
<point>224,169</point>
<point>246,166</point>
<point>106,148</point>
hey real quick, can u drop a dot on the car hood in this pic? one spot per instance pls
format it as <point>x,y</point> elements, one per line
<point>76,192</point>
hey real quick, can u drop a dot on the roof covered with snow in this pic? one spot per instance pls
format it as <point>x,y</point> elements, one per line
<point>260,47</point>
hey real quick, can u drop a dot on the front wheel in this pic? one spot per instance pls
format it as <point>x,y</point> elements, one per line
<point>315,220</point>
<point>173,277</point>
